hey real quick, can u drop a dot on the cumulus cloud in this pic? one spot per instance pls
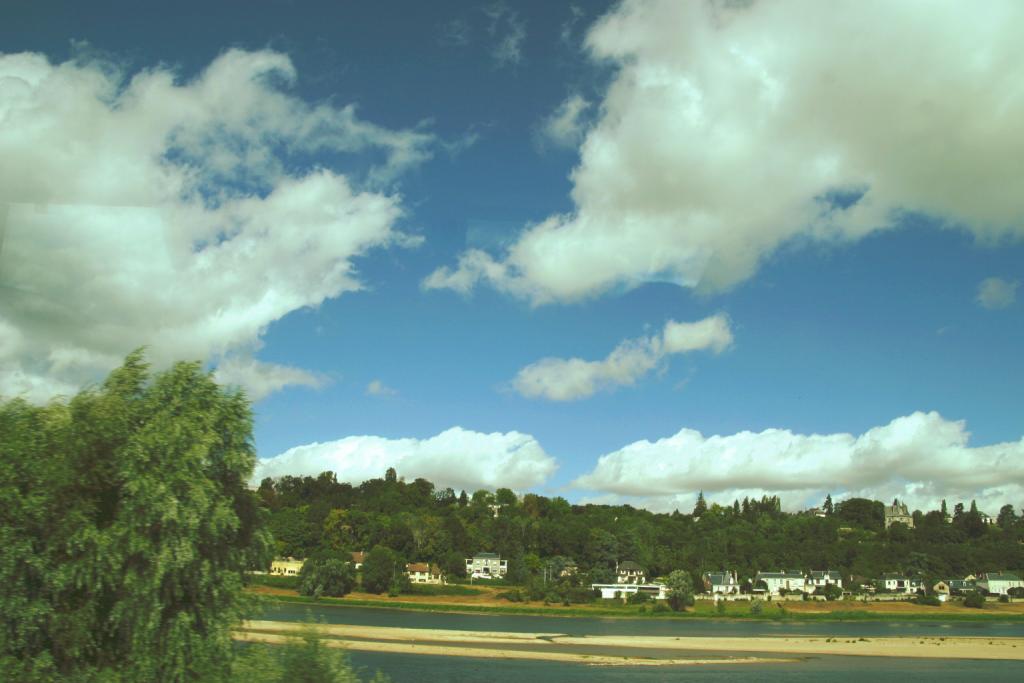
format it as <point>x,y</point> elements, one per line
<point>732,128</point>
<point>183,215</point>
<point>558,379</point>
<point>564,127</point>
<point>260,379</point>
<point>378,388</point>
<point>457,457</point>
<point>995,292</point>
<point>921,458</point>
<point>508,30</point>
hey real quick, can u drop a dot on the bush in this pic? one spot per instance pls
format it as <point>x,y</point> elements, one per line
<point>756,607</point>
<point>327,576</point>
<point>296,661</point>
<point>1016,592</point>
<point>930,600</point>
<point>661,607</point>
<point>976,600</point>
<point>435,589</point>
<point>274,580</point>
<point>1004,598</point>
<point>720,606</point>
<point>512,595</point>
<point>638,598</point>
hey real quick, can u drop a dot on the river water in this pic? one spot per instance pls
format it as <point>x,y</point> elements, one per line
<point>406,668</point>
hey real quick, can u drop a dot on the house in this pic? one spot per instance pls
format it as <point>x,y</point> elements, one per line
<point>775,582</point>
<point>720,583</point>
<point>486,566</point>
<point>899,583</point>
<point>658,591</point>
<point>357,559</point>
<point>286,566</point>
<point>999,583</point>
<point>629,572</point>
<point>986,518</point>
<point>955,586</point>
<point>421,572</point>
<point>820,579</point>
<point>897,512</point>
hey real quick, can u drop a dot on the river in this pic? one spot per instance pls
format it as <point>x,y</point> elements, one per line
<point>409,668</point>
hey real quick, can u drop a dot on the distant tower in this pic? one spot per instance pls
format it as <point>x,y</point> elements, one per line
<point>897,512</point>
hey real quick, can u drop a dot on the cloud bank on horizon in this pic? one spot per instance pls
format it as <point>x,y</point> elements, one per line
<point>921,458</point>
<point>732,129</point>
<point>139,209</point>
<point>559,379</point>
<point>457,457</point>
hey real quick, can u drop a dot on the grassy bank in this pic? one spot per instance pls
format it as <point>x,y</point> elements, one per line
<point>700,611</point>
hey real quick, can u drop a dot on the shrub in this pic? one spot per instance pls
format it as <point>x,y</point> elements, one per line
<point>512,595</point>
<point>976,600</point>
<point>328,576</point>
<point>661,607</point>
<point>720,606</point>
<point>638,598</point>
<point>756,607</point>
<point>930,600</point>
<point>1004,598</point>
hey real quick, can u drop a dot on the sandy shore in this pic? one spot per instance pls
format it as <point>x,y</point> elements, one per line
<point>632,650</point>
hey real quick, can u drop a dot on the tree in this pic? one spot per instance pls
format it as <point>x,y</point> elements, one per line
<point>1006,517</point>
<point>701,507</point>
<point>680,590</point>
<point>463,499</point>
<point>944,509</point>
<point>379,569</point>
<point>828,505</point>
<point>330,576</point>
<point>127,526</point>
<point>390,476</point>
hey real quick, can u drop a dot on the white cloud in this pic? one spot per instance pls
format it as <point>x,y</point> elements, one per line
<point>564,126</point>
<point>921,458</point>
<point>457,457</point>
<point>558,379</point>
<point>732,129</point>
<point>995,292</point>
<point>510,32</point>
<point>378,388</point>
<point>260,379</point>
<point>141,209</point>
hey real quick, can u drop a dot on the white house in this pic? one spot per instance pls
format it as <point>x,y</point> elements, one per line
<point>286,566</point>
<point>629,572</point>
<point>421,572</point>
<point>720,583</point>
<point>623,590</point>
<point>999,583</point>
<point>486,566</point>
<point>357,559</point>
<point>898,583</point>
<point>789,580</point>
<point>820,579</point>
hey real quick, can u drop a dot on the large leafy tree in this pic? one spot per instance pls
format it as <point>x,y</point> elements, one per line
<point>680,589</point>
<point>126,526</point>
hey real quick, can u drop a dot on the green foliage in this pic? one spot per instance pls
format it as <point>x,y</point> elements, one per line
<point>638,598</point>
<point>380,569</point>
<point>976,600</point>
<point>435,589</point>
<point>831,592</point>
<point>326,576</point>
<point>290,582</point>
<point>720,607</point>
<point>929,600</point>
<point>127,526</point>
<point>756,607</point>
<point>421,524</point>
<point>680,590</point>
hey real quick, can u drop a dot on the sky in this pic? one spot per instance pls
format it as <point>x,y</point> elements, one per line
<point>619,252</point>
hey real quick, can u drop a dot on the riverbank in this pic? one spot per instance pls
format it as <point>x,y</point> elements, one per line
<point>632,650</point>
<point>488,603</point>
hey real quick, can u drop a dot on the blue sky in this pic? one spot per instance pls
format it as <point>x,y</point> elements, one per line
<point>858,335</point>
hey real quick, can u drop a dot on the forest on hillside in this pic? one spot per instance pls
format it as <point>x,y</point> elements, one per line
<point>422,523</point>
